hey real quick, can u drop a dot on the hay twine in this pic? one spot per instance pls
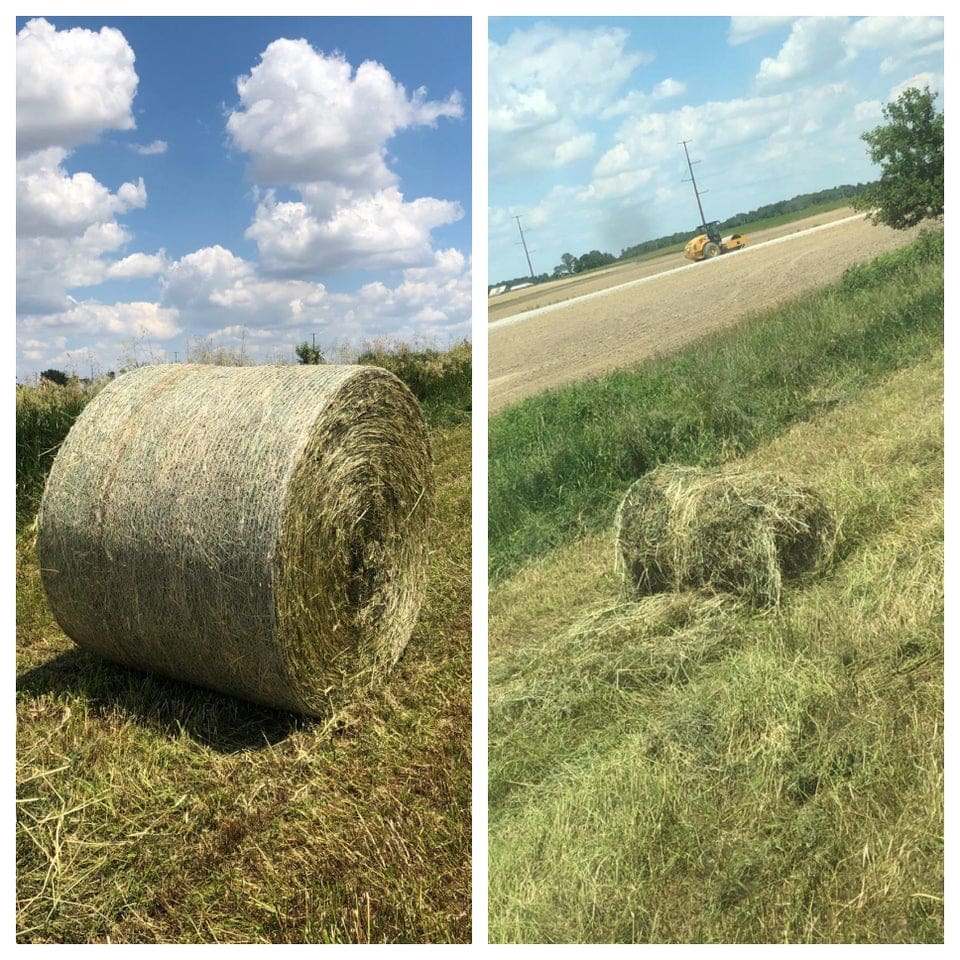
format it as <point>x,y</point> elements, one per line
<point>262,531</point>
<point>740,531</point>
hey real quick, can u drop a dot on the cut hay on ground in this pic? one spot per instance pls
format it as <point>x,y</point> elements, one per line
<point>262,531</point>
<point>734,530</point>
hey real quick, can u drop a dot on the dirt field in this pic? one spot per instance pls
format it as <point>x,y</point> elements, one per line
<point>623,327</point>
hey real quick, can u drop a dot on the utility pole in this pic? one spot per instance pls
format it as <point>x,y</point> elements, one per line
<point>703,219</point>
<point>524,242</point>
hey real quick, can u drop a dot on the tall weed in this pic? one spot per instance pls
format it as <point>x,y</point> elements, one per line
<point>440,380</point>
<point>44,416</point>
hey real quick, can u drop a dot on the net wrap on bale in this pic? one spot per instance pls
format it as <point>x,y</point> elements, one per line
<point>729,530</point>
<point>262,531</point>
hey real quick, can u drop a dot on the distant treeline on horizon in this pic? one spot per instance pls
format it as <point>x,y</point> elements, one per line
<point>595,258</point>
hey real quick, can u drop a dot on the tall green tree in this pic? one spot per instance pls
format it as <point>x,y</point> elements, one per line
<point>309,353</point>
<point>55,376</point>
<point>594,259</point>
<point>909,149</point>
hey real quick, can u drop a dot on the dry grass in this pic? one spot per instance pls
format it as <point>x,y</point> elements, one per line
<point>150,810</point>
<point>690,768</point>
<point>736,530</point>
<point>259,530</point>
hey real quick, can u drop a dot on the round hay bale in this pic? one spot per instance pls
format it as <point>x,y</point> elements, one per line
<point>739,531</point>
<point>262,531</point>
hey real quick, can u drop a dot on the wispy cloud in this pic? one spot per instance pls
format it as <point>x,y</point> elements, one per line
<point>743,29</point>
<point>149,149</point>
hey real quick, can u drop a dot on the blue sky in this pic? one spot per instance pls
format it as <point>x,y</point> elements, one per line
<point>586,116</point>
<point>239,180</point>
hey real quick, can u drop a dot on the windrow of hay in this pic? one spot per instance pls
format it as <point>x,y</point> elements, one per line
<point>262,531</point>
<point>725,530</point>
<point>627,644</point>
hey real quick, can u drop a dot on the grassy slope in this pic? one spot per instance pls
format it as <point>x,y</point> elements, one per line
<point>688,770</point>
<point>559,461</point>
<point>150,810</point>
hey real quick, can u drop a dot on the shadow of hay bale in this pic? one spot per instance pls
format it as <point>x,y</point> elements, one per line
<point>740,531</point>
<point>170,708</point>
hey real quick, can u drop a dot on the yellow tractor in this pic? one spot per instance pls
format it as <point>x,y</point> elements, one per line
<point>709,244</point>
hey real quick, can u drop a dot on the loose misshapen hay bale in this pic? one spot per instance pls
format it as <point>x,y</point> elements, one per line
<point>734,530</point>
<point>262,531</point>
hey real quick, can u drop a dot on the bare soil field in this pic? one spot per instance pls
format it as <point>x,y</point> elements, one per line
<point>625,326</point>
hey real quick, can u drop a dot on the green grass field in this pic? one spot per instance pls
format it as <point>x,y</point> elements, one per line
<point>766,223</point>
<point>560,461</point>
<point>154,811</point>
<point>686,768</point>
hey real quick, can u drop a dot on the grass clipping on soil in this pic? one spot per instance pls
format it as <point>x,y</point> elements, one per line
<point>262,531</point>
<point>739,531</point>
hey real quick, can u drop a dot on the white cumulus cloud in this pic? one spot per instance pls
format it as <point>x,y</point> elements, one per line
<point>668,88</point>
<point>52,203</point>
<point>637,101</point>
<point>576,148</point>
<point>138,265</point>
<point>311,121</point>
<point>214,289</point>
<point>373,231</point>
<point>102,328</point>
<point>900,33</point>
<point>617,158</point>
<point>305,116</point>
<point>537,99</point>
<point>71,85</point>
<point>918,81</point>
<point>47,267</point>
<point>198,276</point>
<point>815,45</point>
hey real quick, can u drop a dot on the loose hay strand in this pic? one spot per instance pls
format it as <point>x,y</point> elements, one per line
<point>262,531</point>
<point>731,530</point>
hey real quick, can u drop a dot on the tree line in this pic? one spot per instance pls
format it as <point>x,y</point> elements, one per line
<point>846,191</point>
<point>570,265</point>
